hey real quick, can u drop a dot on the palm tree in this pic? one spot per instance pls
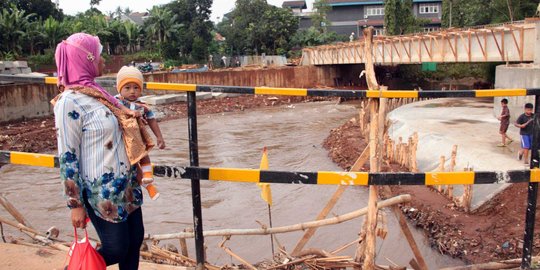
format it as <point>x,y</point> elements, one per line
<point>13,26</point>
<point>161,24</point>
<point>54,32</point>
<point>132,32</point>
<point>35,35</point>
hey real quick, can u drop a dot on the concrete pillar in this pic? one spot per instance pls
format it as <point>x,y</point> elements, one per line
<point>537,45</point>
<point>517,76</point>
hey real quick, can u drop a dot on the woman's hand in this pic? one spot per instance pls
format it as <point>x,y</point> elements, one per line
<point>78,217</point>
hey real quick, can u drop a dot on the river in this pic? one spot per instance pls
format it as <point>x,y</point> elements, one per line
<point>293,135</point>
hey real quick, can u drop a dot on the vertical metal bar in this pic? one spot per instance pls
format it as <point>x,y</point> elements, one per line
<point>532,193</point>
<point>195,183</point>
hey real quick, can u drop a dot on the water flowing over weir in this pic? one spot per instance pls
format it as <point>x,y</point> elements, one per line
<point>293,135</point>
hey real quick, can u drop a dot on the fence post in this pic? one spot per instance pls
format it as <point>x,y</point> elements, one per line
<point>530,215</point>
<point>195,183</point>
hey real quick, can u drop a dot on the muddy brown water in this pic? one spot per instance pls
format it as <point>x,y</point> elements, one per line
<point>293,135</point>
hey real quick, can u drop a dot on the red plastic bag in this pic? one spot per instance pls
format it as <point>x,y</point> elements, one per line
<point>84,256</point>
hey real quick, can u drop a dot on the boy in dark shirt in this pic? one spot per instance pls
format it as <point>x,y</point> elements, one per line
<point>524,123</point>
<point>505,122</point>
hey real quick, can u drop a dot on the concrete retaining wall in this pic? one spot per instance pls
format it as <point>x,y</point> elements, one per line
<point>20,101</point>
<point>522,76</point>
<point>296,77</point>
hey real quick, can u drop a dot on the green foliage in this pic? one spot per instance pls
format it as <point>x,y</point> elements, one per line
<point>399,18</point>
<point>318,17</point>
<point>42,8</point>
<point>41,59</point>
<point>463,13</point>
<point>14,24</point>
<point>168,63</point>
<point>255,27</point>
<point>312,37</point>
<point>143,56</point>
<point>449,70</point>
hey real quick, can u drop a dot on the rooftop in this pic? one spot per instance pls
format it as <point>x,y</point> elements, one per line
<point>294,4</point>
<point>370,2</point>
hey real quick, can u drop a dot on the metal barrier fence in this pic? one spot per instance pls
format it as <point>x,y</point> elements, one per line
<point>309,178</point>
<point>196,173</point>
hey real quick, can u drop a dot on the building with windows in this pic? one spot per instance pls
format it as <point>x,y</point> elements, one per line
<point>298,8</point>
<point>349,16</point>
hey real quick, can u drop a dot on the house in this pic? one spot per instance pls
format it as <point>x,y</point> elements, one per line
<point>135,17</point>
<point>297,8</point>
<point>348,16</point>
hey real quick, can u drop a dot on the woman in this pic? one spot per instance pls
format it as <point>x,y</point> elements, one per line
<point>98,178</point>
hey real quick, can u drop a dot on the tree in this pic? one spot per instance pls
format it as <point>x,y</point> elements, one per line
<point>94,3</point>
<point>43,9</point>
<point>318,17</point>
<point>254,26</point>
<point>464,13</point>
<point>54,31</point>
<point>399,18</point>
<point>14,24</point>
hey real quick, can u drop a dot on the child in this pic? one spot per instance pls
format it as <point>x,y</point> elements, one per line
<point>505,122</point>
<point>129,83</point>
<point>524,123</point>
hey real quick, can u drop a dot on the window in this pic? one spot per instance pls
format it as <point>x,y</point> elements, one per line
<point>378,32</point>
<point>375,11</point>
<point>431,29</point>
<point>428,8</point>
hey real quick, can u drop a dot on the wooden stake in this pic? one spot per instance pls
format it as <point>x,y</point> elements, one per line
<point>374,158</point>
<point>183,244</point>
<point>14,212</point>
<point>229,251</point>
<point>442,160</point>
<point>450,189</point>
<point>362,159</point>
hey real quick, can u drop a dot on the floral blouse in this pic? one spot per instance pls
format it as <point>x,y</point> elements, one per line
<point>93,158</point>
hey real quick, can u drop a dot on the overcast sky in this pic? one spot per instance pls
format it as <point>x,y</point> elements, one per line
<point>219,7</point>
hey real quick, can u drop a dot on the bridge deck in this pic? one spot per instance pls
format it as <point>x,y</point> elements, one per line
<point>514,42</point>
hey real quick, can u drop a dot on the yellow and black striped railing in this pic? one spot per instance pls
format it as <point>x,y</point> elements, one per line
<point>302,91</point>
<point>314,178</point>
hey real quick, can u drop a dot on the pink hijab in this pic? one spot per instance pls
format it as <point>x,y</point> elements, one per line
<point>77,60</point>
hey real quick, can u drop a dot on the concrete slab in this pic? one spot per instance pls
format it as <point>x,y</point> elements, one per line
<point>224,95</point>
<point>8,64</point>
<point>20,64</point>
<point>25,70</point>
<point>162,99</point>
<point>468,123</point>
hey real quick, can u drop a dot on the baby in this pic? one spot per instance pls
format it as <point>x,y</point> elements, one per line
<point>129,83</point>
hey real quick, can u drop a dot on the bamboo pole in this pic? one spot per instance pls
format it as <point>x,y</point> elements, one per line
<point>229,251</point>
<point>183,244</point>
<point>14,212</point>
<point>36,235</point>
<point>362,159</point>
<point>450,189</point>
<point>442,160</point>
<point>284,229</point>
<point>368,256</point>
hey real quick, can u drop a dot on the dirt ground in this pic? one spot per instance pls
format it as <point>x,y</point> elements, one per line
<point>15,256</point>
<point>493,233</point>
<point>38,135</point>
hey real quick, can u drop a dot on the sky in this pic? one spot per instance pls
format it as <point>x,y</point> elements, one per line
<point>219,7</point>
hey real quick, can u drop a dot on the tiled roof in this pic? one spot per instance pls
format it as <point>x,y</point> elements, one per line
<point>294,4</point>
